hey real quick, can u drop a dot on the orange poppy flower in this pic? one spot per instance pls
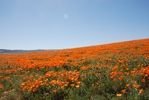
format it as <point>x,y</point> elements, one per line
<point>55,90</point>
<point>121,77</point>
<point>137,86</point>
<point>77,86</point>
<point>141,91</point>
<point>30,90</point>
<point>127,85</point>
<point>143,80</point>
<point>47,93</point>
<point>35,90</point>
<point>62,87</point>
<point>71,84</point>
<point>97,83</point>
<point>124,90</point>
<point>78,82</point>
<point>119,95</point>
<point>47,84</point>
<point>1,85</point>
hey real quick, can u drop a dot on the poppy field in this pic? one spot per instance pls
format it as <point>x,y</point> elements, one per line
<point>116,71</point>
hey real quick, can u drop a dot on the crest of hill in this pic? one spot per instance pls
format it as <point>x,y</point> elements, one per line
<point>8,51</point>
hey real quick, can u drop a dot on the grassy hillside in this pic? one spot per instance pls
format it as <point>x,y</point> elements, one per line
<point>117,71</point>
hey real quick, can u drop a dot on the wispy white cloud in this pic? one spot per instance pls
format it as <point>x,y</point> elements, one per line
<point>65,15</point>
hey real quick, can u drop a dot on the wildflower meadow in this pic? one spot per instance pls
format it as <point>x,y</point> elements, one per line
<point>116,71</point>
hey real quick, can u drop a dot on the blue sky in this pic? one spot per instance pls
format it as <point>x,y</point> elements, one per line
<point>60,24</point>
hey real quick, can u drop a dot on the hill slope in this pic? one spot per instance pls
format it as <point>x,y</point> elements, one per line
<point>106,72</point>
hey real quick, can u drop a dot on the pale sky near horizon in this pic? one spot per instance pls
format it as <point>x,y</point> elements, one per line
<point>60,24</point>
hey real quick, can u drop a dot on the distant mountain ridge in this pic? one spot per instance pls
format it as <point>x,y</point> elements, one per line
<point>20,51</point>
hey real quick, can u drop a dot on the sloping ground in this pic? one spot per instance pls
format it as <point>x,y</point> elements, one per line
<point>112,71</point>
